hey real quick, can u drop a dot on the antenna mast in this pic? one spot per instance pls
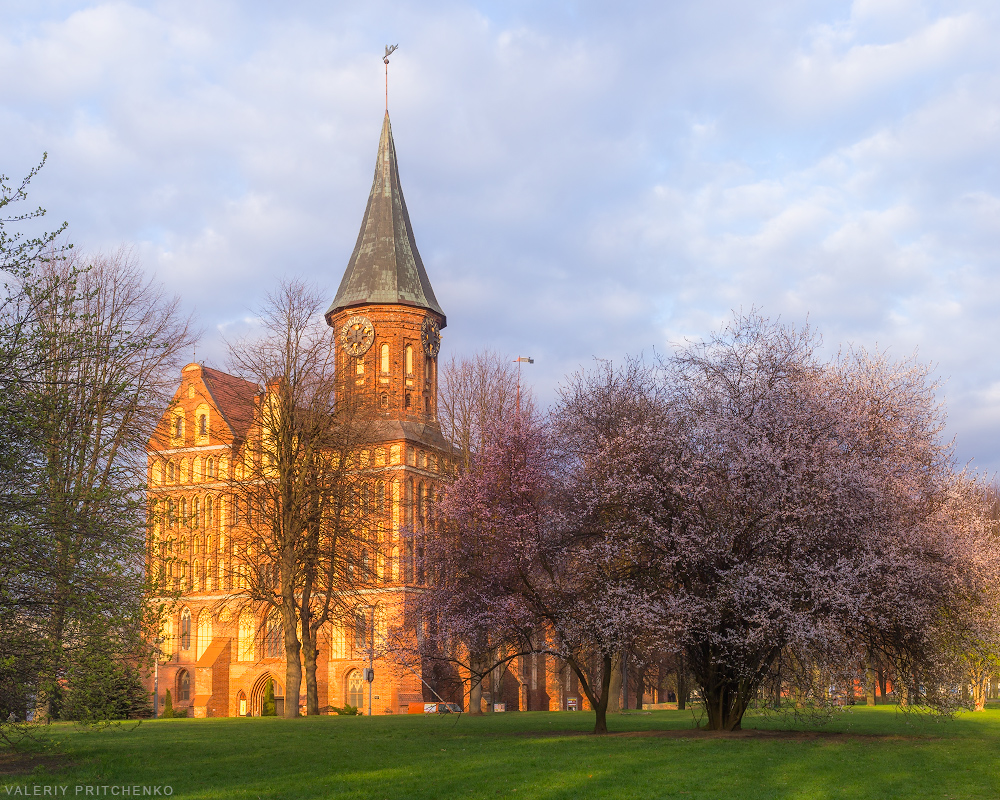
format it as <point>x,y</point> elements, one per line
<point>388,52</point>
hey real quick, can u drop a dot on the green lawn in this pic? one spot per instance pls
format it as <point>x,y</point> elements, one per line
<point>864,753</point>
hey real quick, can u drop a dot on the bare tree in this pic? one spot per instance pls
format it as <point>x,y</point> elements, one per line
<point>477,393</point>
<point>298,486</point>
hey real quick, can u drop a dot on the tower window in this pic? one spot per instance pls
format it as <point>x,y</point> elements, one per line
<point>384,358</point>
<point>408,400</point>
<point>409,359</point>
<point>359,366</point>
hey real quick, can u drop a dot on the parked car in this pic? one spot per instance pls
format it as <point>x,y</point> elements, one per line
<point>434,708</point>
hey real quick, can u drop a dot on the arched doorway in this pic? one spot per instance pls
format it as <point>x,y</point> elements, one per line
<point>355,694</point>
<point>241,704</point>
<point>183,692</point>
<point>257,695</point>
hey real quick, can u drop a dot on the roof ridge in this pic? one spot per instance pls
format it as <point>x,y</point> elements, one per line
<point>238,427</point>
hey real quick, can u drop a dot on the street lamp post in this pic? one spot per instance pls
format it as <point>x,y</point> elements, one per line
<point>370,672</point>
<point>521,360</point>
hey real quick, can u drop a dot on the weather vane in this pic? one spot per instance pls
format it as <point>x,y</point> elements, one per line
<point>388,52</point>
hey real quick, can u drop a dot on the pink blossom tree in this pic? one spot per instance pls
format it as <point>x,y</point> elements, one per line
<point>513,575</point>
<point>805,516</point>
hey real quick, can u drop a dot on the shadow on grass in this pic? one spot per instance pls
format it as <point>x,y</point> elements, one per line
<point>864,753</point>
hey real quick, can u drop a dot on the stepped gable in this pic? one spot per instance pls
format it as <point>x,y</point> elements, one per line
<point>385,267</point>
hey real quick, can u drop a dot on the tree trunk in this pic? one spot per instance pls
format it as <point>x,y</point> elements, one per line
<point>476,698</point>
<point>682,682</point>
<point>613,701</point>
<point>870,679</point>
<point>726,697</point>
<point>310,652</point>
<point>293,662</point>
<point>725,705</point>
<point>476,687</point>
<point>979,682</point>
<point>601,706</point>
<point>309,655</point>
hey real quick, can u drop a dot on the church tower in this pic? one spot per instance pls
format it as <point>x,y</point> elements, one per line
<point>385,315</point>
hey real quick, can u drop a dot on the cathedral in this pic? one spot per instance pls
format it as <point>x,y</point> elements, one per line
<point>218,652</point>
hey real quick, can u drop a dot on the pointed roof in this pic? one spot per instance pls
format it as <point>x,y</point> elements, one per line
<point>385,266</point>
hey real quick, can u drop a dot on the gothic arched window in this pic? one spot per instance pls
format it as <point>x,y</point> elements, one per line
<point>355,688</point>
<point>384,359</point>
<point>183,686</point>
<point>272,637</point>
<point>409,359</point>
<point>186,629</point>
<point>204,627</point>
<point>203,424</point>
<point>246,635</point>
<point>360,631</point>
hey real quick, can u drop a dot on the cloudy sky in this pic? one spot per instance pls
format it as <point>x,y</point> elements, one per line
<point>584,179</point>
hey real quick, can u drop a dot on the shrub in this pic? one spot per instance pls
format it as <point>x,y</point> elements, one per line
<point>269,708</point>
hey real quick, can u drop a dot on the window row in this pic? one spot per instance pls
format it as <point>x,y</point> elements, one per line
<point>385,362</point>
<point>370,499</point>
<point>186,470</point>
<point>184,512</point>
<point>178,423</point>
<point>261,636</point>
<point>213,468</point>
<point>363,565</point>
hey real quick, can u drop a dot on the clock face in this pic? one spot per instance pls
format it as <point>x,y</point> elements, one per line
<point>430,336</point>
<point>357,335</point>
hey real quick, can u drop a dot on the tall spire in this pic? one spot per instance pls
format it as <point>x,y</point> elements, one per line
<point>385,267</point>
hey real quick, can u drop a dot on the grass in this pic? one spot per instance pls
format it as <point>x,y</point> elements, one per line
<point>862,753</point>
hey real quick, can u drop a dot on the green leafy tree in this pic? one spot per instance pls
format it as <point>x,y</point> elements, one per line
<point>21,255</point>
<point>168,707</point>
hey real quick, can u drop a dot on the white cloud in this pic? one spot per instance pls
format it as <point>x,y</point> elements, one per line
<point>582,181</point>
